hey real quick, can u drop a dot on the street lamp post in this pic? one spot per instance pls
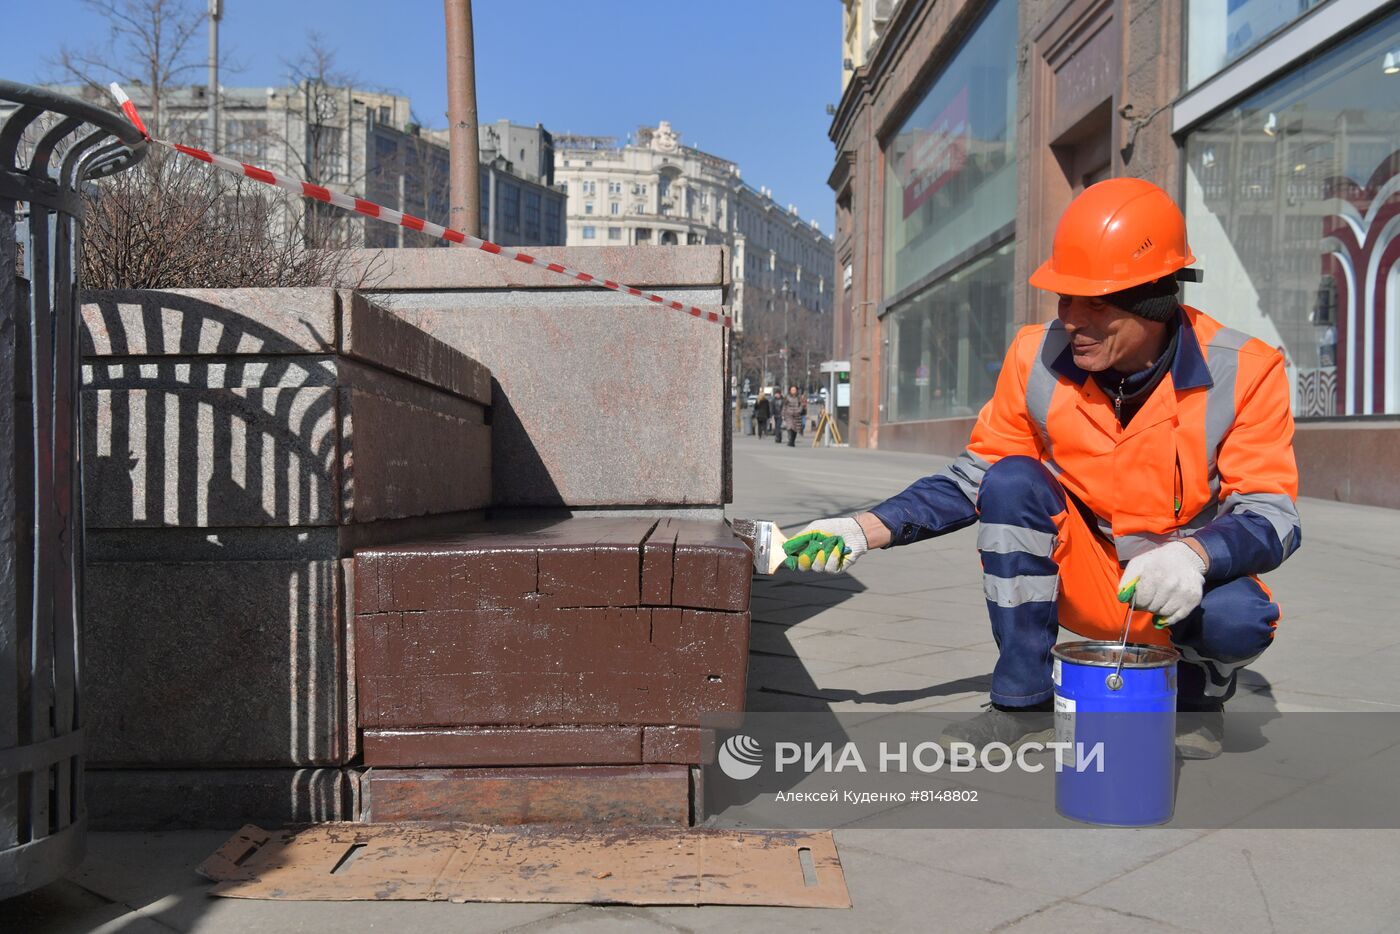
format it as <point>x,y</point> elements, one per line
<point>786,342</point>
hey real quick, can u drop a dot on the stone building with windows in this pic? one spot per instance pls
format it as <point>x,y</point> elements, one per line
<point>368,144</point>
<point>657,191</point>
<point>966,127</point>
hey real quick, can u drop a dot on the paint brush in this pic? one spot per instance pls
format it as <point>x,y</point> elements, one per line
<point>765,540</point>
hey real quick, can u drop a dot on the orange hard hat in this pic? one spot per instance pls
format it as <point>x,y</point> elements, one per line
<point>1117,234</point>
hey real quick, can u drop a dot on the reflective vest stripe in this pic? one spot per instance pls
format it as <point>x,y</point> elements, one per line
<point>1014,591</point>
<point>1002,539</point>
<point>1041,382</point>
<point>1223,359</point>
<point>1278,509</point>
<point>967,472</point>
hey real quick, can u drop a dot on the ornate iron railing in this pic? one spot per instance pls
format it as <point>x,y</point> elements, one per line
<point>51,145</point>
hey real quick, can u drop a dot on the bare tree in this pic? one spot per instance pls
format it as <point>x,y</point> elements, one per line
<point>171,222</point>
<point>180,228</point>
<point>149,45</point>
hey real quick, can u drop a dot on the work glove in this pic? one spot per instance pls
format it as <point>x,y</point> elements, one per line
<point>1167,581</point>
<point>827,545</point>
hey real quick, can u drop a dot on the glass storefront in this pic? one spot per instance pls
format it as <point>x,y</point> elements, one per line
<point>950,171</point>
<point>1292,203</point>
<point>1221,31</point>
<point>950,186</point>
<point>947,342</point>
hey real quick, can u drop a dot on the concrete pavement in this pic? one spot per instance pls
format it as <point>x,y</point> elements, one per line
<point>907,630</point>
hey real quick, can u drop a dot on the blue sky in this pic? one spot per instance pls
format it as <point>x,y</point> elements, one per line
<point>748,80</point>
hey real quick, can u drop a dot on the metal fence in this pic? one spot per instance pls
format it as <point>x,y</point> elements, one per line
<point>51,145</point>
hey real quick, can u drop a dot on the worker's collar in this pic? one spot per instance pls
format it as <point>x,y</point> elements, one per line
<point>1189,370</point>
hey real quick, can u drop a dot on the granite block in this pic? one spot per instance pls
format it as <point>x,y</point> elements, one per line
<point>236,663</point>
<point>399,459</point>
<point>377,337</point>
<point>575,390</point>
<point>210,457</point>
<point>224,322</point>
<point>428,268</point>
<point>618,795</point>
<point>507,745</point>
<point>218,799</point>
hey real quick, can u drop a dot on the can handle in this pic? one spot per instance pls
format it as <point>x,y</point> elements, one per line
<point>1114,682</point>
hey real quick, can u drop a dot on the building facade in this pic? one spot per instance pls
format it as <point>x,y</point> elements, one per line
<point>368,144</point>
<point>656,191</point>
<point>971,125</point>
<point>409,170</point>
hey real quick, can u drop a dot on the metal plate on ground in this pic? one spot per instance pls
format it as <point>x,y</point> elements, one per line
<point>470,863</point>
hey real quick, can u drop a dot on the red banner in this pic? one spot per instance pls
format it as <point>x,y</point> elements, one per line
<point>937,154</point>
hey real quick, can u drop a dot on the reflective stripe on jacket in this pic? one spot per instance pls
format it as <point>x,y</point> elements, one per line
<point>1209,454</point>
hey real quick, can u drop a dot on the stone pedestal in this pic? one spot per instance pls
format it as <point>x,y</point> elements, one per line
<point>610,402</point>
<point>238,445</point>
<point>593,646</point>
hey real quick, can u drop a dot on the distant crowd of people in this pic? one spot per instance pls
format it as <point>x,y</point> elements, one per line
<point>780,414</point>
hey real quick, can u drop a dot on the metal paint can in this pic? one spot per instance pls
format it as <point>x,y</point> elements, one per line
<point>1120,723</point>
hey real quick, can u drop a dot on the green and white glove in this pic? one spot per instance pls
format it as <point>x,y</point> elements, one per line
<point>826,546</point>
<point>1167,581</point>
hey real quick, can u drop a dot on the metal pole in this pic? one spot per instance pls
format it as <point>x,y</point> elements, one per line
<point>463,141</point>
<point>786,348</point>
<point>216,10</point>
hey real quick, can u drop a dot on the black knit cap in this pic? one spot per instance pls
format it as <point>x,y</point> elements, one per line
<point>1155,300</point>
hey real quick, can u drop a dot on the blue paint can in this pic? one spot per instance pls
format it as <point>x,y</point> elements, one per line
<point>1120,722</point>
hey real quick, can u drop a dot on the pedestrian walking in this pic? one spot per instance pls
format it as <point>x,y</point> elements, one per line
<point>794,409</point>
<point>762,411</point>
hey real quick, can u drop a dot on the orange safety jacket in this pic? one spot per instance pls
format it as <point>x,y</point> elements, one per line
<point>1209,454</point>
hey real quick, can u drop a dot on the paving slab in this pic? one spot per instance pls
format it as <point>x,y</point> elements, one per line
<point>1267,880</point>
<point>1028,859</point>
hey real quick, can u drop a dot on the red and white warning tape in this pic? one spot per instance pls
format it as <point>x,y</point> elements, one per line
<point>369,209</point>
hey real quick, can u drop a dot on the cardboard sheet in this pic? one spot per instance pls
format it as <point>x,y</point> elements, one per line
<point>469,863</point>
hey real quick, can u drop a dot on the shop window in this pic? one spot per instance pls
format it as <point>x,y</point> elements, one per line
<point>1220,32</point>
<point>946,343</point>
<point>950,180</point>
<point>1288,198</point>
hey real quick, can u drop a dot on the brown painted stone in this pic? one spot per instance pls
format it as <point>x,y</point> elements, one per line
<point>683,745</point>
<point>623,795</point>
<point>658,560</point>
<point>542,626</point>
<point>581,666</point>
<point>611,745</point>
<point>411,644</point>
<point>452,577</point>
<point>713,568</point>
<point>532,697</point>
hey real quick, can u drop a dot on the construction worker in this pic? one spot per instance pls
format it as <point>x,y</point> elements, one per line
<point>1134,450</point>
